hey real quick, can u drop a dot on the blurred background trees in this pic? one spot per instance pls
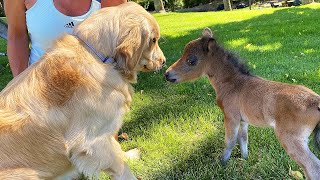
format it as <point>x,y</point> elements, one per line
<point>203,5</point>
<point>174,5</point>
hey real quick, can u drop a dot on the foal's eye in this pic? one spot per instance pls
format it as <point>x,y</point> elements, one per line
<point>154,40</point>
<point>192,60</point>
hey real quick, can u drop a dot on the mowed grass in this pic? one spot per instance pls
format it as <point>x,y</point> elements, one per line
<point>179,128</point>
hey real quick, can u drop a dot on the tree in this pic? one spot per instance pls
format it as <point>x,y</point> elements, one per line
<point>158,6</point>
<point>2,8</point>
<point>227,5</point>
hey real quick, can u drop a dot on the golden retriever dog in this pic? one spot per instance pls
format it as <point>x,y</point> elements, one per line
<point>61,113</point>
<point>293,111</point>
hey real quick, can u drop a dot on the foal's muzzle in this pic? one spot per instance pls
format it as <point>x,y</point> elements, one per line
<point>170,76</point>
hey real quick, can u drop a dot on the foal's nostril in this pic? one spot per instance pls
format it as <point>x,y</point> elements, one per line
<point>163,63</point>
<point>166,75</point>
<point>168,78</point>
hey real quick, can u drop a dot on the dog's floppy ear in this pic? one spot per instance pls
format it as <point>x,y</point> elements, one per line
<point>129,50</point>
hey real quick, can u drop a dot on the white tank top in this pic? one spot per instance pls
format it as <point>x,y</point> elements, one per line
<point>45,23</point>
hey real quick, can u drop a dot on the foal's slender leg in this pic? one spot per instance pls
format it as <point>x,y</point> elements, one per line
<point>296,146</point>
<point>231,126</point>
<point>243,139</point>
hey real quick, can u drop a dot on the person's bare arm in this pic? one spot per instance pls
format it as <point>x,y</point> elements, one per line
<point>18,43</point>
<point>107,3</point>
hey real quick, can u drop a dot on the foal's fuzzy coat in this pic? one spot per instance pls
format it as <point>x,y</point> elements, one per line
<point>292,110</point>
<point>62,112</point>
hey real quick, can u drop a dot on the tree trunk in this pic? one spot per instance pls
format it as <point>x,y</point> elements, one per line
<point>227,5</point>
<point>2,8</point>
<point>158,6</point>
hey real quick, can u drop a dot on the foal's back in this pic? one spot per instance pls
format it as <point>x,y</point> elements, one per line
<point>263,102</point>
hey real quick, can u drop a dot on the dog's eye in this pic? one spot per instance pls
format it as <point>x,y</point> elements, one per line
<point>154,40</point>
<point>192,60</point>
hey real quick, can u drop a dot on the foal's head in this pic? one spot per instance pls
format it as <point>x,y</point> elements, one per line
<point>194,61</point>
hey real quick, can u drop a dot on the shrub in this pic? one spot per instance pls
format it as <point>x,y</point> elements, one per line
<point>192,3</point>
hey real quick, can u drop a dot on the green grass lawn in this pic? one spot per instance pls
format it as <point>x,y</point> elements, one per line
<point>179,128</point>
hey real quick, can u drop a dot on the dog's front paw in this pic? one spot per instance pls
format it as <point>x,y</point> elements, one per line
<point>133,154</point>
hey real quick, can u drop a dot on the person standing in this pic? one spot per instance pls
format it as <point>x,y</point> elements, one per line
<point>42,21</point>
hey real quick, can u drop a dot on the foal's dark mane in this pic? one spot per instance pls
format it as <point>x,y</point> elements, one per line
<point>233,60</point>
<point>237,63</point>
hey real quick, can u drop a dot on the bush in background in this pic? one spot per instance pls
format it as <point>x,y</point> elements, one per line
<point>192,3</point>
<point>146,4</point>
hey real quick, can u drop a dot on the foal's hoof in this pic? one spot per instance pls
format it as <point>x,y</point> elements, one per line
<point>223,161</point>
<point>245,157</point>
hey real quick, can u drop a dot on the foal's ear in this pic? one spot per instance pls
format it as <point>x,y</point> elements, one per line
<point>207,32</point>
<point>209,44</point>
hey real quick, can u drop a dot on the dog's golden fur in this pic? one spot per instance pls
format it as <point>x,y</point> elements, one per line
<point>292,110</point>
<point>61,113</point>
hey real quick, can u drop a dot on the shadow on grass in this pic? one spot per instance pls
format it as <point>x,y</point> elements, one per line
<point>269,50</point>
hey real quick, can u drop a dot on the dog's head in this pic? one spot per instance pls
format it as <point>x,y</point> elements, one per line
<point>129,34</point>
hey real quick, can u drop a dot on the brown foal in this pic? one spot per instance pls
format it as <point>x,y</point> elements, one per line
<point>292,110</point>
